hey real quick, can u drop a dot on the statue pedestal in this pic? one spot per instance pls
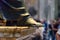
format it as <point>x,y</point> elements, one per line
<point>11,33</point>
<point>7,38</point>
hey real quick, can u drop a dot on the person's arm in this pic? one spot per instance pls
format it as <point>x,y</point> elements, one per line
<point>57,36</point>
<point>53,28</point>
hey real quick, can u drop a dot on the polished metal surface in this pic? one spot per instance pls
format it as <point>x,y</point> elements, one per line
<point>6,31</point>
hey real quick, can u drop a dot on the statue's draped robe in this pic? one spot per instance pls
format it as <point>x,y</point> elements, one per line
<point>10,13</point>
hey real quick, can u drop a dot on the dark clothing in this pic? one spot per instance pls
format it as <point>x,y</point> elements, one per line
<point>10,23</point>
<point>32,11</point>
<point>52,33</point>
<point>56,26</point>
<point>10,13</point>
<point>50,27</point>
<point>45,33</point>
<point>36,38</point>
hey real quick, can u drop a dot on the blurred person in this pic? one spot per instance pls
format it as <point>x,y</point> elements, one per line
<point>44,21</point>
<point>53,27</point>
<point>58,32</point>
<point>37,36</point>
<point>46,30</point>
<point>14,10</point>
<point>58,35</point>
<point>32,11</point>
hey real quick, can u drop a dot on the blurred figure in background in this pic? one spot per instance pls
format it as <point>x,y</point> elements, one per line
<point>45,29</point>
<point>32,11</point>
<point>53,27</point>
<point>58,32</point>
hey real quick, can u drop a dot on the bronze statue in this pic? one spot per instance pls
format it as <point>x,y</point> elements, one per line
<point>14,10</point>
